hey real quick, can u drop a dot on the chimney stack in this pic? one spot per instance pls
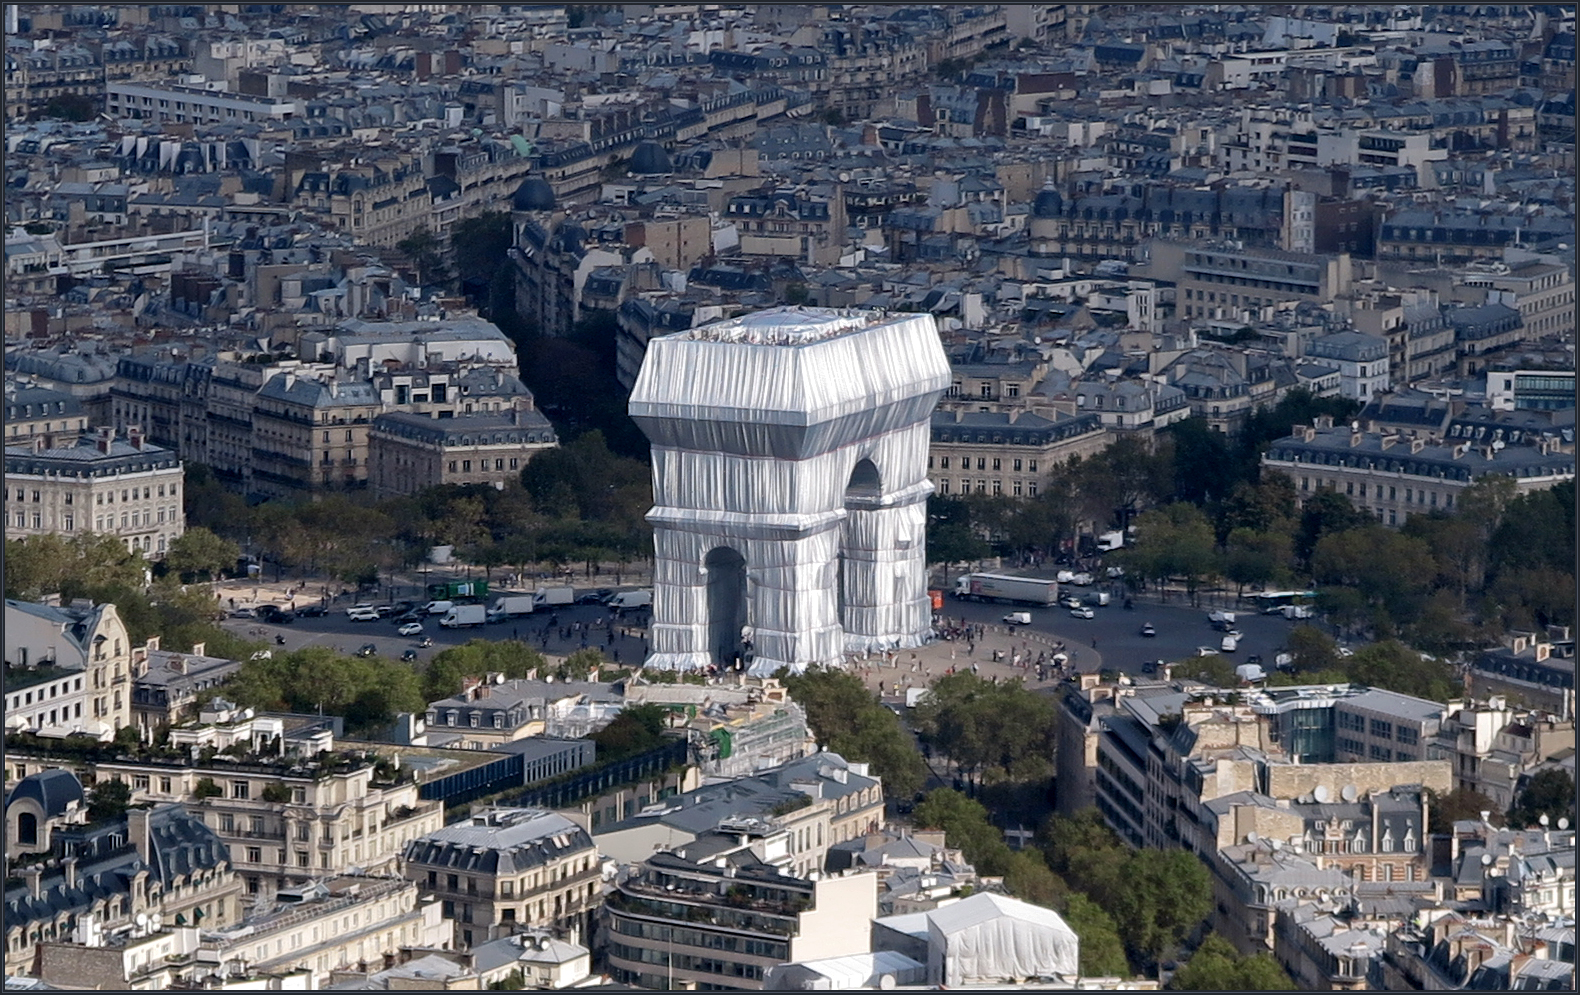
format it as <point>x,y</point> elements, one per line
<point>138,832</point>
<point>134,435</point>
<point>34,876</point>
<point>69,865</point>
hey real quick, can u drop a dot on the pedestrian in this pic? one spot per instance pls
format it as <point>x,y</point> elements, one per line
<point>1094,642</point>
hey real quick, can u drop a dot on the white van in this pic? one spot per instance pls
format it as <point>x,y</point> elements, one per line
<point>438,607</point>
<point>629,600</point>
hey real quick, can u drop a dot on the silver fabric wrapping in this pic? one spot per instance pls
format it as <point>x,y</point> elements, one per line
<point>762,427</point>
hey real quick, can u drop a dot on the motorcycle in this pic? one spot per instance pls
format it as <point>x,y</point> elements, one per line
<point>279,640</point>
<point>427,641</point>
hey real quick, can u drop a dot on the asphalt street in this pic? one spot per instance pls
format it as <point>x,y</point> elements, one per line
<point>1181,630</point>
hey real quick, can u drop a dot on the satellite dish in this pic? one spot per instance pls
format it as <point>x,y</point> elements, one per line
<point>1277,844</point>
<point>1563,822</point>
<point>1320,793</point>
<point>1544,820</point>
<point>1253,836</point>
<point>1349,793</point>
<point>142,920</point>
<point>1486,860</point>
<point>1498,446</point>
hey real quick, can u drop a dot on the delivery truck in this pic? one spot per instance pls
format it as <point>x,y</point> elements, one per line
<point>509,606</point>
<point>631,600</point>
<point>549,597</point>
<point>464,616</point>
<point>998,587</point>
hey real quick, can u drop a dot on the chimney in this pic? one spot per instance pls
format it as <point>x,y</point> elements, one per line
<point>34,876</point>
<point>198,648</point>
<point>1323,421</point>
<point>69,865</point>
<point>959,414</point>
<point>1489,452</point>
<point>105,439</point>
<point>134,435</point>
<point>137,831</point>
<point>1460,449</point>
<point>1416,445</point>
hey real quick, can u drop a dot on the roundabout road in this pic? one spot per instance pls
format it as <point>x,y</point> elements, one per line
<point>1180,630</point>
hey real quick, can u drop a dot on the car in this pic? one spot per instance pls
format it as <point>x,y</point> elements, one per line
<point>362,615</point>
<point>1070,601</point>
<point>368,649</point>
<point>1149,630</point>
<point>1149,666</point>
<point>364,606</point>
<point>415,615</point>
<point>386,611</point>
<point>1082,612</point>
<point>313,611</point>
<point>409,656</point>
<point>597,597</point>
<point>410,629</point>
<point>244,613</point>
<point>1018,618</point>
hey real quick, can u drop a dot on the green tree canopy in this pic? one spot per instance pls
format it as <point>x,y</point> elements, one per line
<point>199,551</point>
<point>849,719</point>
<point>1217,967</point>
<point>1549,792</point>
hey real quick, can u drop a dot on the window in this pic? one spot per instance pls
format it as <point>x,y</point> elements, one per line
<point>1017,466</point>
<point>255,855</point>
<point>1031,467</point>
<point>943,462</point>
<point>239,789</point>
<point>996,463</point>
<point>227,823</point>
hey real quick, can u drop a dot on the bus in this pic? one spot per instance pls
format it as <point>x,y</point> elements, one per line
<point>1290,604</point>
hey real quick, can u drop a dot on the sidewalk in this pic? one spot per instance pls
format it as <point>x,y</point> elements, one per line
<point>991,657</point>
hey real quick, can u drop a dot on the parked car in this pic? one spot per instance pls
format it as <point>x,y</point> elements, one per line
<point>362,614</point>
<point>244,613</point>
<point>410,629</point>
<point>368,649</point>
<point>1149,630</point>
<point>313,611</point>
<point>597,597</point>
<point>1082,612</point>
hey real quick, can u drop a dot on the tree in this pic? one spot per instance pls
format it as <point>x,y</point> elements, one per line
<point>850,720</point>
<point>70,107</point>
<point>1217,966</point>
<point>1443,810</point>
<point>949,543</point>
<point>1167,894</point>
<point>1102,951</point>
<point>1393,666</point>
<point>636,730</point>
<point>1326,512</point>
<point>1549,792</point>
<point>109,801</point>
<point>984,726</point>
<point>1252,557</point>
<point>1311,650</point>
<point>479,244</point>
<point>426,253</point>
<point>197,550</point>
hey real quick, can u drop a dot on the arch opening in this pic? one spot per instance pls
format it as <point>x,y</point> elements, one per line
<point>726,604</point>
<point>27,829</point>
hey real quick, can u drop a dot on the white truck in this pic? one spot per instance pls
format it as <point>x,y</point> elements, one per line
<point>509,606</point>
<point>1222,621</point>
<point>630,600</point>
<point>464,616</point>
<point>999,587</point>
<point>1110,541</point>
<point>1295,612</point>
<point>552,596</point>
